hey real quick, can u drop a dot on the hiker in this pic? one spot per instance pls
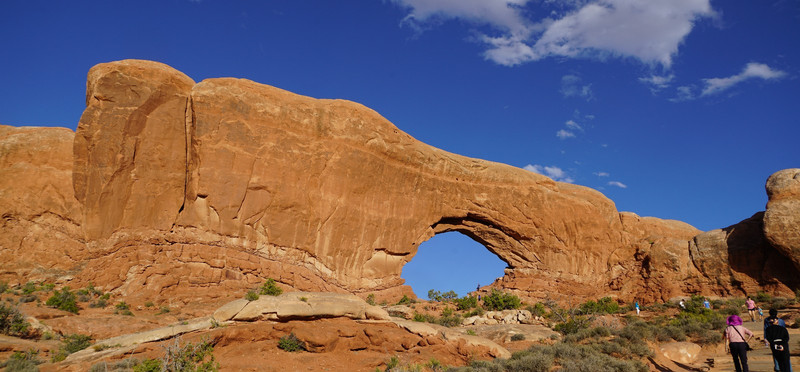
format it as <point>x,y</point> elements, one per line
<point>637,307</point>
<point>751,308</point>
<point>736,343</point>
<point>706,304</point>
<point>773,319</point>
<point>777,337</point>
<point>682,304</point>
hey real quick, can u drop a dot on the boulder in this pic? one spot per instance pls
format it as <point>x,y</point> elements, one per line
<point>681,352</point>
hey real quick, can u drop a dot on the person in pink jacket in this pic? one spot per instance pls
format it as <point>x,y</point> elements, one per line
<point>736,338</point>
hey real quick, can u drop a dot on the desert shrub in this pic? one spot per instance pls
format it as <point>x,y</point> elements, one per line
<point>28,298</point>
<point>405,301</point>
<point>471,332</point>
<point>435,365</point>
<point>517,337</point>
<point>29,288</point>
<point>478,311</point>
<point>270,288</point>
<point>190,357</point>
<point>63,300</point>
<point>149,304</point>
<point>762,297</point>
<point>572,325</point>
<point>165,309</point>
<point>605,305</point>
<point>498,300</point>
<point>251,295</point>
<point>424,318</point>
<point>70,344</point>
<point>99,303</point>
<point>466,302</point>
<point>22,361</point>
<point>434,295</point>
<point>290,343</point>
<point>451,320</point>
<point>537,309</point>
<point>3,287</point>
<point>12,322</point>
<point>122,305</point>
<point>371,299</point>
<point>148,365</point>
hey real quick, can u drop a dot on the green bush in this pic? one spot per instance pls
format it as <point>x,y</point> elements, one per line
<point>371,299</point>
<point>63,300</point>
<point>572,325</point>
<point>605,305</point>
<point>12,322</point>
<point>70,344</point>
<point>29,288</point>
<point>405,301</point>
<point>270,288</point>
<point>466,302</point>
<point>3,287</point>
<point>537,309</point>
<point>290,343</point>
<point>517,337</point>
<point>190,357</point>
<point>148,365</point>
<point>501,301</point>
<point>20,361</point>
<point>251,295</point>
<point>122,305</point>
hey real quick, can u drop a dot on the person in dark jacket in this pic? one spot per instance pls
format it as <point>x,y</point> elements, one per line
<point>773,315</point>
<point>778,339</point>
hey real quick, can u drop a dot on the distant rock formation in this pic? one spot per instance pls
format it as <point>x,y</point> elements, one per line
<point>205,189</point>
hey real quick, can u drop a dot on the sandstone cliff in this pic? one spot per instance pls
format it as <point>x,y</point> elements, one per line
<point>204,189</point>
<point>40,232</point>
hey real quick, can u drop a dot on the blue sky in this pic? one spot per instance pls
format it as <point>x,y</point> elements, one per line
<point>678,109</point>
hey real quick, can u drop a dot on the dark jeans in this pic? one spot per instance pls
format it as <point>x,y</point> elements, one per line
<point>782,360</point>
<point>739,354</point>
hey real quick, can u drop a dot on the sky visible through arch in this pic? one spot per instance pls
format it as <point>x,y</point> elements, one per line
<point>678,109</point>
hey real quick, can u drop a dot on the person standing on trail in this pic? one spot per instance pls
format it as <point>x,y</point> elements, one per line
<point>773,319</point>
<point>777,337</point>
<point>637,307</point>
<point>736,343</point>
<point>751,308</point>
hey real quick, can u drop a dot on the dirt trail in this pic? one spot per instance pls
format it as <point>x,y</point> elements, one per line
<point>760,359</point>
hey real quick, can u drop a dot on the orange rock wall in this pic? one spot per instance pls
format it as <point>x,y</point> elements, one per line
<point>217,185</point>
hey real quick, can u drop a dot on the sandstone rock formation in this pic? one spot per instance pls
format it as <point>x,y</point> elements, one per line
<point>240,181</point>
<point>196,191</point>
<point>782,218</point>
<point>40,220</point>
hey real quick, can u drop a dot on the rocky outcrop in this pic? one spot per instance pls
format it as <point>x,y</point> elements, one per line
<point>201,191</point>
<point>300,305</point>
<point>782,218</point>
<point>40,220</point>
<point>320,194</point>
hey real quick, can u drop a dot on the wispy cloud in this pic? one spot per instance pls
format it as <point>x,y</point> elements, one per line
<point>751,71</point>
<point>572,86</point>
<point>683,93</point>
<point>564,134</point>
<point>618,184</point>
<point>647,30</point>
<point>601,174</point>
<point>556,173</point>
<point>657,82</point>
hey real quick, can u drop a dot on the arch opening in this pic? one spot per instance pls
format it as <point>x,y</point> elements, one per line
<point>451,261</point>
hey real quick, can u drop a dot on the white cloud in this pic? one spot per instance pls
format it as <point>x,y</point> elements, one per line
<point>573,125</point>
<point>618,184</point>
<point>601,174</point>
<point>657,82</point>
<point>648,30</point>
<point>564,134</point>
<point>556,173</point>
<point>683,93</point>
<point>751,71</point>
<point>571,86</point>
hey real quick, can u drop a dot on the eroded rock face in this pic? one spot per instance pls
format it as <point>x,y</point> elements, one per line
<point>40,234</point>
<point>327,187</point>
<point>201,191</point>
<point>782,218</point>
